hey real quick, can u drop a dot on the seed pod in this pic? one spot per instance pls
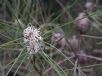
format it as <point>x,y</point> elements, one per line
<point>82,57</point>
<point>82,23</point>
<point>74,43</point>
<point>58,40</point>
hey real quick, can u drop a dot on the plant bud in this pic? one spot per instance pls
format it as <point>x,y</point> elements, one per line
<point>74,42</point>
<point>82,57</point>
<point>58,40</point>
<point>82,23</point>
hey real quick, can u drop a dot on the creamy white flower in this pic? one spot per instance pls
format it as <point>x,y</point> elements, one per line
<point>33,39</point>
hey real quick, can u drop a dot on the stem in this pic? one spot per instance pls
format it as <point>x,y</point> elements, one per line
<point>34,66</point>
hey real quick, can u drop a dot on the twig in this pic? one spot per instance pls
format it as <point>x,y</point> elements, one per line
<point>34,66</point>
<point>58,63</point>
<point>92,57</point>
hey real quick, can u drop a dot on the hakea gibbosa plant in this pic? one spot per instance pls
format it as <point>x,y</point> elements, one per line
<point>33,39</point>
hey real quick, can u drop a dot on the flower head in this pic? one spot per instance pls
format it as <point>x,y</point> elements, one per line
<point>33,39</point>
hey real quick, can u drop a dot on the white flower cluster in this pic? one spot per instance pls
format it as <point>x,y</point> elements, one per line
<point>33,40</point>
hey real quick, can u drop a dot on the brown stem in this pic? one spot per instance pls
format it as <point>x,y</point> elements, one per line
<point>34,66</point>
